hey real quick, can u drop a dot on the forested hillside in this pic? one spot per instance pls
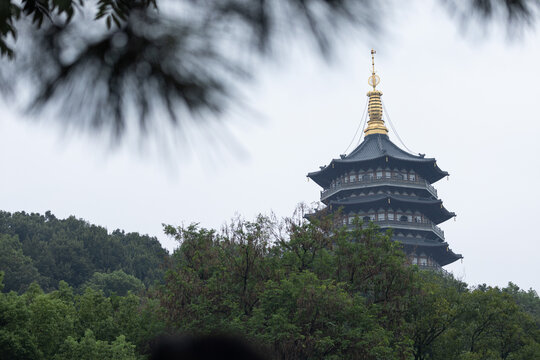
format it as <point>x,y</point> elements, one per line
<point>294,289</point>
<point>45,249</point>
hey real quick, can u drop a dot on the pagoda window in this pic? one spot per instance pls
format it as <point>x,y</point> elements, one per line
<point>351,219</point>
<point>352,178</point>
<point>398,176</point>
<point>390,216</point>
<point>379,175</point>
<point>409,218</point>
<point>366,177</point>
<point>344,221</point>
<point>423,261</point>
<point>366,218</point>
<point>412,177</point>
<point>418,219</point>
<point>414,260</point>
<point>345,179</point>
<point>380,216</point>
<point>403,218</point>
<point>388,174</point>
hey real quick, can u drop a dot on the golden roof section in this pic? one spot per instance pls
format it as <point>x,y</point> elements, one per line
<point>375,109</point>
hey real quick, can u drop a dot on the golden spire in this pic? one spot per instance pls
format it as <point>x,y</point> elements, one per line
<point>375,123</point>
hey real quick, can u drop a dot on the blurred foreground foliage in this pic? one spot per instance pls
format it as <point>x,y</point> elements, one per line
<point>294,289</point>
<point>117,64</point>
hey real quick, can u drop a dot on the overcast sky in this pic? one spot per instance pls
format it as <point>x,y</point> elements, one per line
<point>470,102</point>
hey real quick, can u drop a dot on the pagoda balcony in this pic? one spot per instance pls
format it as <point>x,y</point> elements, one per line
<point>407,225</point>
<point>374,182</point>
<point>433,267</point>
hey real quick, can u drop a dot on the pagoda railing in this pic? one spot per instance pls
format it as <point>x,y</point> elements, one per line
<point>409,225</point>
<point>433,267</point>
<point>417,184</point>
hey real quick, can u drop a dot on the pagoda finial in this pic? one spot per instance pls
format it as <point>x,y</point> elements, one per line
<point>374,79</point>
<point>375,123</point>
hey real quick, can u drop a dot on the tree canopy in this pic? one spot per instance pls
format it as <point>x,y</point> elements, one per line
<point>292,289</point>
<point>307,290</point>
<point>45,249</point>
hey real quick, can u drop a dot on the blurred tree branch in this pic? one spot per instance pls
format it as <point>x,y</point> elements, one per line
<point>97,63</point>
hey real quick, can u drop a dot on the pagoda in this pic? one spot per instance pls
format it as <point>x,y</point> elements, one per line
<point>380,182</point>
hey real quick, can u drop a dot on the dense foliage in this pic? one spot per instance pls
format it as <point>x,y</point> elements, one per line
<point>305,290</point>
<point>65,325</point>
<point>46,250</point>
<point>294,289</point>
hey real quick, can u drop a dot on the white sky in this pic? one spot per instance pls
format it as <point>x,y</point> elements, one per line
<point>470,102</point>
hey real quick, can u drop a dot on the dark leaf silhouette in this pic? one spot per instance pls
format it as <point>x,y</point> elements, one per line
<point>115,64</point>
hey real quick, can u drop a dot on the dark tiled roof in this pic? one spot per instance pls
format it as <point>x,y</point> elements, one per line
<point>439,250</point>
<point>378,145</point>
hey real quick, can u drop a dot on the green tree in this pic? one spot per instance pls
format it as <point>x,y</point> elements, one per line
<point>88,348</point>
<point>51,322</point>
<point>71,259</point>
<point>95,313</point>
<point>72,250</point>
<point>434,309</point>
<point>61,324</point>
<point>16,339</point>
<point>489,324</point>
<point>277,283</point>
<point>196,295</point>
<point>496,326</point>
<point>304,317</point>
<point>116,282</point>
<point>528,301</point>
<point>138,318</point>
<point>18,268</point>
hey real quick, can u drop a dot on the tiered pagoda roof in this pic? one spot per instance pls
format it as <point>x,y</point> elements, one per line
<point>372,150</point>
